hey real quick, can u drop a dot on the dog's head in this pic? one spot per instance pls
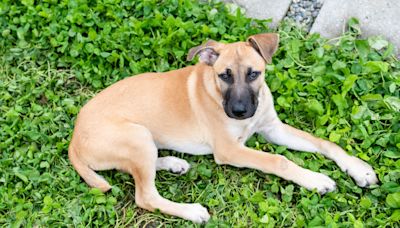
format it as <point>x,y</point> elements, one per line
<point>239,70</point>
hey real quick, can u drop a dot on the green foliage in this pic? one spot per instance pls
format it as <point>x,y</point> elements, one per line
<point>55,55</point>
<point>103,41</point>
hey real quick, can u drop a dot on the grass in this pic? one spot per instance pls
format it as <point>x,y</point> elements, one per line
<point>53,58</point>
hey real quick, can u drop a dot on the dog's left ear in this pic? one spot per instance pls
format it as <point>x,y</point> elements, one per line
<point>265,44</point>
<point>206,52</point>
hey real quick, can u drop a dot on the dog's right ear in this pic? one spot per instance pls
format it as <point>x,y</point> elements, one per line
<point>206,52</point>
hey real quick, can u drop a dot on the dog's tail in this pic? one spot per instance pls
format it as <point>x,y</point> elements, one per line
<point>90,176</point>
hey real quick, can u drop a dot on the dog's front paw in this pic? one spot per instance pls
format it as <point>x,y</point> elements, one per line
<point>173,164</point>
<point>195,213</point>
<point>313,180</point>
<point>360,171</point>
<point>179,166</point>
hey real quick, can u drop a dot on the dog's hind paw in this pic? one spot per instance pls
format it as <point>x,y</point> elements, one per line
<point>360,171</point>
<point>173,164</point>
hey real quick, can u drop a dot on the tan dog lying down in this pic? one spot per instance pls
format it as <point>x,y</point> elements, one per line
<point>209,108</point>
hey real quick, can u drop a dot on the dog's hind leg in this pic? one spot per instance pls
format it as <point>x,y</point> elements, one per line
<point>141,154</point>
<point>173,164</point>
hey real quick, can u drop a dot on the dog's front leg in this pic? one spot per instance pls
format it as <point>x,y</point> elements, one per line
<point>283,134</point>
<point>238,155</point>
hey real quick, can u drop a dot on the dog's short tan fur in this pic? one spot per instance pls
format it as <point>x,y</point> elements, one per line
<point>124,125</point>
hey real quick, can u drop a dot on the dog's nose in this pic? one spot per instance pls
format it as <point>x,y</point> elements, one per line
<point>238,109</point>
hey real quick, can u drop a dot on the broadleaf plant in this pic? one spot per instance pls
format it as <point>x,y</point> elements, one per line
<point>56,55</point>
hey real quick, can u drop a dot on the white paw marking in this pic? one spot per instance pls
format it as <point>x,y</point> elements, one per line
<point>173,164</point>
<point>360,171</point>
<point>313,180</point>
<point>195,213</point>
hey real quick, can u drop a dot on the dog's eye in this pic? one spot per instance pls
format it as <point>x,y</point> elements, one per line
<point>226,76</point>
<point>253,75</point>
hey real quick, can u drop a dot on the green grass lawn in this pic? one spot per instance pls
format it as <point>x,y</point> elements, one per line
<point>55,55</point>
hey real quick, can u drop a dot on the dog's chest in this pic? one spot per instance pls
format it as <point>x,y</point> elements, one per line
<point>241,132</point>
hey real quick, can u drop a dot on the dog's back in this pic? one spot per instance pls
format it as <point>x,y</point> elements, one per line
<point>152,100</point>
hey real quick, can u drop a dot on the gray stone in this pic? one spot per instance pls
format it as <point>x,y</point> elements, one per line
<point>264,9</point>
<point>376,18</point>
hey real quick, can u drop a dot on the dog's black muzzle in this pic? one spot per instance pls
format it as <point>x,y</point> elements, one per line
<point>240,105</point>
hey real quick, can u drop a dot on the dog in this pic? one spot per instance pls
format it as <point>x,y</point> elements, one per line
<point>212,107</point>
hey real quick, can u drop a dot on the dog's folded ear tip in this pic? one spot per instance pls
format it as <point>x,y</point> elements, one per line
<point>192,52</point>
<point>265,44</point>
<point>206,52</point>
<point>264,35</point>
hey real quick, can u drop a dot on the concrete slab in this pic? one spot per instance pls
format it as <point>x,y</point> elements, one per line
<point>264,9</point>
<point>376,18</point>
